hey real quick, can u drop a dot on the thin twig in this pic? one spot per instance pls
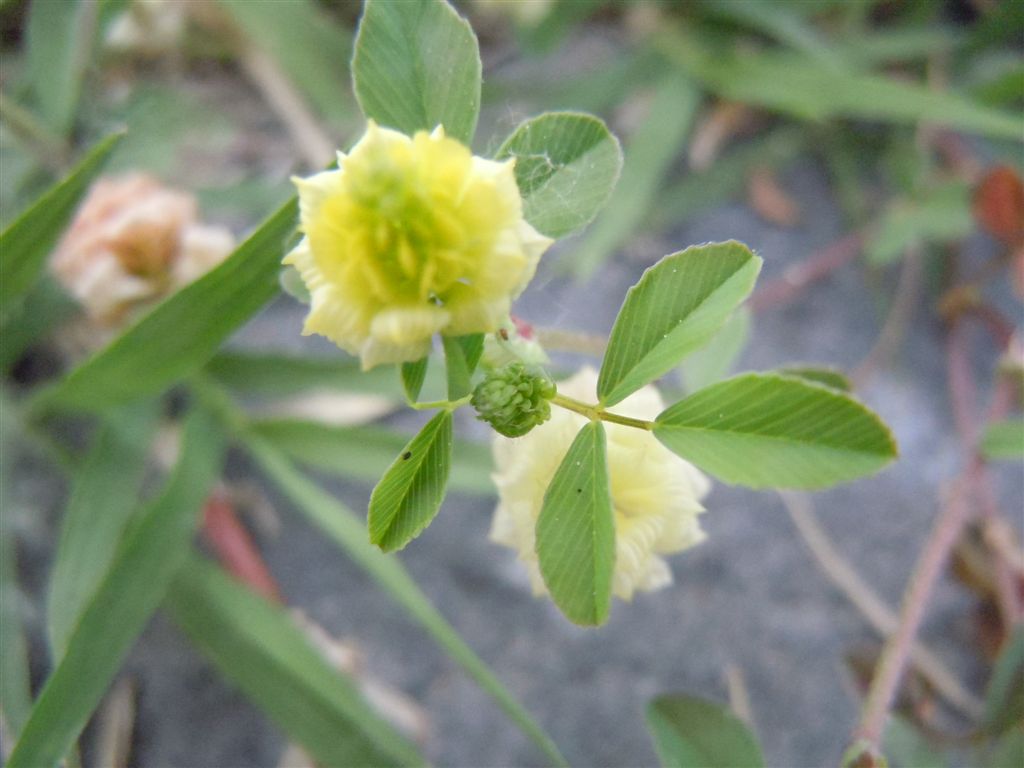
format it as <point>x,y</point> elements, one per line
<point>897,649</point>
<point>879,615</point>
<point>895,327</point>
<point>798,277</point>
<point>557,340</point>
<point>739,697</point>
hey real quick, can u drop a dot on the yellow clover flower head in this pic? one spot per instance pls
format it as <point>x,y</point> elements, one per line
<point>655,494</point>
<point>411,236</point>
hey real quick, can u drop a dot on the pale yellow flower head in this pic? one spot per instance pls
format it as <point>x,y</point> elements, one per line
<point>410,237</point>
<point>655,495</point>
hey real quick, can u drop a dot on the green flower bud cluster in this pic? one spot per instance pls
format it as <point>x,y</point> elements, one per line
<point>514,399</point>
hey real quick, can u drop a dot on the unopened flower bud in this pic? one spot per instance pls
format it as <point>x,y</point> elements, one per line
<point>514,399</point>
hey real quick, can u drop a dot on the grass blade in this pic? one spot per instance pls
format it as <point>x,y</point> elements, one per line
<point>142,569</point>
<point>349,533</point>
<point>104,495</point>
<point>26,243</point>
<point>183,332</point>
<point>258,647</point>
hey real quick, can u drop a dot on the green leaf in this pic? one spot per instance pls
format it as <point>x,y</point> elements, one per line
<point>576,531</point>
<point>413,376</point>
<point>692,733</point>
<point>650,153</point>
<point>59,43</point>
<point>829,377</point>
<point>280,374</point>
<point>1004,700</point>
<point>677,305</point>
<point>104,495</point>
<point>567,164</point>
<point>409,495</point>
<point>906,747</point>
<point>183,332</point>
<point>461,355</point>
<point>44,307</point>
<point>769,430</point>
<point>26,243</point>
<point>417,66</point>
<point>258,647</point>
<point>15,690</point>
<point>943,214</point>
<point>800,86</point>
<point>139,575</point>
<point>305,42</point>
<point>350,534</point>
<point>1004,440</point>
<point>1008,752</point>
<point>715,360</point>
<point>365,452</point>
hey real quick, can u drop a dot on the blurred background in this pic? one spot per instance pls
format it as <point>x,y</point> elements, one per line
<point>869,150</point>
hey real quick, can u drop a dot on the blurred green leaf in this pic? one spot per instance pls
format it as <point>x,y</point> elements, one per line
<point>905,747</point>
<point>183,332</point>
<point>830,377</point>
<point>1004,440</point>
<point>779,23</point>
<point>410,494</point>
<point>894,44</point>
<point>365,452</point>
<point>257,646</point>
<point>650,153</point>
<point>27,242</point>
<point>15,692</point>
<point>417,66</point>
<point>282,373</point>
<point>142,569</point>
<point>59,43</point>
<point>1004,700</point>
<point>32,316</point>
<point>104,495</point>
<point>576,531</point>
<point>307,44</point>
<point>1008,752</point>
<point>766,430</point>
<point>567,164</point>
<point>726,179</point>
<point>941,215</point>
<point>714,361</point>
<point>692,733</point>
<point>350,534</point>
<point>597,89</point>
<point>800,86</point>
<point>677,305</point>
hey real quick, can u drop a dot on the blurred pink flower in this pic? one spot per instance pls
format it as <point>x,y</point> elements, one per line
<point>132,243</point>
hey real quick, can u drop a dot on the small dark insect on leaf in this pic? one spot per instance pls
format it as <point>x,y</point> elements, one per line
<point>579,490</point>
<point>407,455</point>
<point>503,332</point>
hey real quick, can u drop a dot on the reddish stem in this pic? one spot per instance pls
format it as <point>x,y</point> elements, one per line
<point>235,547</point>
<point>799,276</point>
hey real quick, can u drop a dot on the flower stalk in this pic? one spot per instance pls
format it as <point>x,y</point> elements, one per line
<point>596,413</point>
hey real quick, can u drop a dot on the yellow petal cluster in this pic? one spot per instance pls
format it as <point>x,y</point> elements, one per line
<point>656,495</point>
<point>409,237</point>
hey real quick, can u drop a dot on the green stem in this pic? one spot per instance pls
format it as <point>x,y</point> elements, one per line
<point>451,405</point>
<point>596,413</point>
